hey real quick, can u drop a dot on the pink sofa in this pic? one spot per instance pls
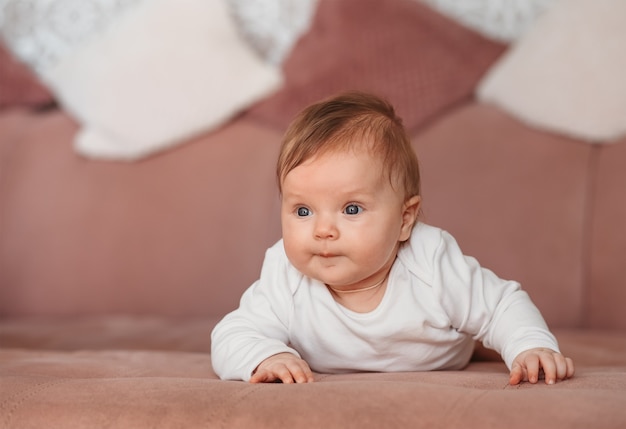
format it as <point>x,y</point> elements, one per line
<point>112,274</point>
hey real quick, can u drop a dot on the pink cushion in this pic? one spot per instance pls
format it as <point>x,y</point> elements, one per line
<point>18,85</point>
<point>400,49</point>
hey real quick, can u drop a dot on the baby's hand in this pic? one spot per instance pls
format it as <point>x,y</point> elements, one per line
<point>285,367</point>
<point>527,364</point>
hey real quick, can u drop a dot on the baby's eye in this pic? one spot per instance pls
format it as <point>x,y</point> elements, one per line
<point>352,209</point>
<point>303,212</point>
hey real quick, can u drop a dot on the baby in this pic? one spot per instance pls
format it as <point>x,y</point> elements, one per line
<point>357,283</point>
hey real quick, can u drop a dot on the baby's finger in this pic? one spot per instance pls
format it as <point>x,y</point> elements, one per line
<point>308,374</point>
<point>262,376</point>
<point>516,376</point>
<point>570,367</point>
<point>532,368</point>
<point>301,372</point>
<point>561,366</point>
<point>548,364</point>
<point>268,375</point>
<point>284,374</point>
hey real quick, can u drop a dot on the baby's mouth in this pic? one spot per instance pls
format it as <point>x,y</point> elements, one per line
<point>326,255</point>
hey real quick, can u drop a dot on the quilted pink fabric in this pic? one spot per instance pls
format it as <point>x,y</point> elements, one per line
<point>401,49</point>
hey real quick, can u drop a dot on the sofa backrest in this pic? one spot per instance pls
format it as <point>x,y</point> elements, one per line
<point>540,208</point>
<point>179,234</point>
<point>184,233</point>
<point>605,303</point>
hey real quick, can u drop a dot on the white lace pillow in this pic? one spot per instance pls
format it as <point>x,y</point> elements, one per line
<point>567,74</point>
<point>273,27</point>
<point>139,75</point>
<point>502,20</point>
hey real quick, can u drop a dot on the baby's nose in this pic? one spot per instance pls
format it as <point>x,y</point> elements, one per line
<point>325,228</point>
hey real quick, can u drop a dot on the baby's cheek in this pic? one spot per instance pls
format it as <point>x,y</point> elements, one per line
<point>296,255</point>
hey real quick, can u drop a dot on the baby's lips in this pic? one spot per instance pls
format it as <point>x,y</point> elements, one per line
<point>328,255</point>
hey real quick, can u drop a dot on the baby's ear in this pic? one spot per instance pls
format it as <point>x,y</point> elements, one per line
<point>410,211</point>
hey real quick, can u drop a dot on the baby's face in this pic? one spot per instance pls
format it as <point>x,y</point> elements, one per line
<point>342,220</point>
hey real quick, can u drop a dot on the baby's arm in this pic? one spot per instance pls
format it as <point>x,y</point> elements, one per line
<point>245,341</point>
<point>499,314</point>
<point>527,365</point>
<point>241,341</point>
<point>285,367</point>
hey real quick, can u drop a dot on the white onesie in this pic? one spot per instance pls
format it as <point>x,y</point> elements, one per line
<point>436,303</point>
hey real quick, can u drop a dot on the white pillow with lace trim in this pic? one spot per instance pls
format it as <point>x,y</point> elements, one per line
<point>501,20</point>
<point>139,75</point>
<point>273,27</point>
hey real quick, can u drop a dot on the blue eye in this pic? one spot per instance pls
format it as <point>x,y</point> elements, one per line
<point>352,209</point>
<point>303,212</point>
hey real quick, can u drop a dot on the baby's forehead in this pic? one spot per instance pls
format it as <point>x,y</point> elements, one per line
<point>368,163</point>
<point>343,175</point>
<point>350,147</point>
<point>346,155</point>
<point>356,145</point>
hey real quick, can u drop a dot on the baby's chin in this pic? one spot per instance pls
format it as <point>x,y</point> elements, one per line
<point>325,279</point>
<point>337,282</point>
<point>332,270</point>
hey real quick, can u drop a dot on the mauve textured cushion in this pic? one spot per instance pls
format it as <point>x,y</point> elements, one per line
<point>18,85</point>
<point>515,199</point>
<point>152,387</point>
<point>400,49</point>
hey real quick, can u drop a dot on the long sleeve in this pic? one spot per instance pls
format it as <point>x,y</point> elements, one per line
<point>495,311</point>
<point>258,329</point>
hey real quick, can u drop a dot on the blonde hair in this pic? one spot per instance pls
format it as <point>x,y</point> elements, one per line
<point>352,121</point>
